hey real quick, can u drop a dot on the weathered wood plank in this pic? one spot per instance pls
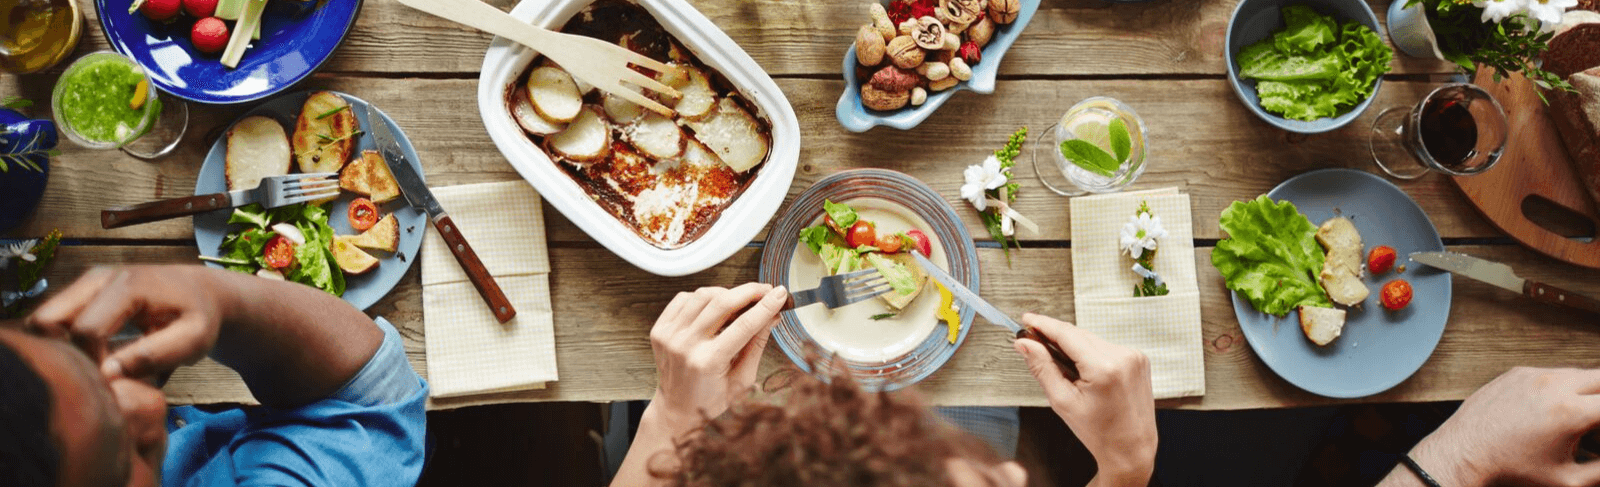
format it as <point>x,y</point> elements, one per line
<point>604,309</point>
<point>1201,140</point>
<point>1068,38</point>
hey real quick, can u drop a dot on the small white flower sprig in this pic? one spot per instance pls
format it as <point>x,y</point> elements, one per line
<point>990,189</point>
<point>1140,238</point>
<point>1547,12</point>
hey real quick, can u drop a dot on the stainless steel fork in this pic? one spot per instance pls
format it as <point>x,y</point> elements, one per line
<point>273,192</point>
<point>842,289</point>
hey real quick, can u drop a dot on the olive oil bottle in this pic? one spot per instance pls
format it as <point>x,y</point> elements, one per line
<point>37,34</point>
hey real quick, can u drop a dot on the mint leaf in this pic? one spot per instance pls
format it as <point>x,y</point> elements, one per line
<point>1089,157</point>
<point>1121,143</point>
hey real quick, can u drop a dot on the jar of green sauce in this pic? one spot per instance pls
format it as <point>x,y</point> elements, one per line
<point>104,100</point>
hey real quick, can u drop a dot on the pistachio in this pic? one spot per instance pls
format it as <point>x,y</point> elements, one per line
<point>918,96</point>
<point>904,52</point>
<point>980,32</point>
<point>877,99</point>
<point>958,14</point>
<point>1004,11</point>
<point>881,22</point>
<point>869,46</point>
<point>943,84</point>
<point>960,70</point>
<point>929,33</point>
<point>934,70</point>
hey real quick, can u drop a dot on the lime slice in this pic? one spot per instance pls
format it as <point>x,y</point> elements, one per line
<point>1092,127</point>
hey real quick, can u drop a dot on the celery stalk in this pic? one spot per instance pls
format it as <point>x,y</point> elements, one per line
<point>249,21</point>
<point>229,9</point>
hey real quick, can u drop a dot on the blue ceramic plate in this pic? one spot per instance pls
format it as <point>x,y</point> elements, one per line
<point>294,42</point>
<point>1254,20</point>
<point>894,193</point>
<point>361,290</point>
<point>1379,348</point>
<point>857,118</point>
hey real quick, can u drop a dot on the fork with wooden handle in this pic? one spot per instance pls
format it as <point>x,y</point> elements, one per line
<point>273,192</point>
<point>597,62</point>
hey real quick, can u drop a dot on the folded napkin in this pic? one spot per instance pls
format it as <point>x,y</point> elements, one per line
<point>1166,328</point>
<point>469,352</point>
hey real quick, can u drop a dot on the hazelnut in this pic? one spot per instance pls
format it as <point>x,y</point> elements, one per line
<point>1004,11</point>
<point>951,42</point>
<point>929,33</point>
<point>891,78</point>
<point>943,84</point>
<point>877,99</point>
<point>934,70</point>
<point>869,46</point>
<point>958,14</point>
<point>918,96</point>
<point>904,52</point>
<point>881,22</point>
<point>981,32</point>
<point>959,69</point>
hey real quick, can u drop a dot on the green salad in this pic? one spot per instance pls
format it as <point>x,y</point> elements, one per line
<point>293,241</point>
<point>1271,256</point>
<point>831,241</point>
<point>1315,67</point>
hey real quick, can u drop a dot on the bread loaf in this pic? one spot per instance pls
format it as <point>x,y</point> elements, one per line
<point>1575,50</point>
<point>1577,118</point>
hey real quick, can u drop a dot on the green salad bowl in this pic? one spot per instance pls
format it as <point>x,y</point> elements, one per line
<point>1254,20</point>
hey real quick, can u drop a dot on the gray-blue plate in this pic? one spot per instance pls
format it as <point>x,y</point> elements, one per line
<point>1254,20</point>
<point>1379,348</point>
<point>360,290</point>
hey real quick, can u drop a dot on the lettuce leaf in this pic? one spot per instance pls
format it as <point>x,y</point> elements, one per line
<point>1315,67</point>
<point>814,237</point>
<point>314,264</point>
<point>1304,31</point>
<point>842,214</point>
<point>1271,256</point>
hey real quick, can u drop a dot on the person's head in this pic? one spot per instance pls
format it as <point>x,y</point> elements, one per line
<point>834,433</point>
<point>63,424</point>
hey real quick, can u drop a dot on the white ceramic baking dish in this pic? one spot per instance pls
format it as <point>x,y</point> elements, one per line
<point>740,221</point>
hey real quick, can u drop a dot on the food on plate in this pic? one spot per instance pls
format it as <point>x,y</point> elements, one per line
<point>948,313</point>
<point>1380,259</point>
<point>667,177</point>
<point>209,35</point>
<point>1341,270</point>
<point>351,259</point>
<point>1140,238</point>
<point>200,9</point>
<point>278,253</point>
<point>853,250</point>
<point>384,235</point>
<point>369,176</point>
<point>326,133</point>
<point>363,214</point>
<point>1321,325</point>
<point>160,10</point>
<point>303,225</point>
<point>1576,113</point>
<point>258,147</point>
<point>1314,67</point>
<point>1396,294</point>
<point>1271,256</point>
<point>924,45</point>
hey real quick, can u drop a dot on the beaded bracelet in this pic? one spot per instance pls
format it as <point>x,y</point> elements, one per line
<point>1417,469</point>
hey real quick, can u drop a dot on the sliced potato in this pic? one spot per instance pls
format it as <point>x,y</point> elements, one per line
<point>526,116</point>
<point>258,147</point>
<point>621,110</point>
<point>384,235</point>
<point>676,77</point>
<point>350,258</point>
<point>733,135</point>
<point>587,139</point>
<point>554,94</point>
<point>323,138</point>
<point>369,176</point>
<point>657,136</point>
<point>699,99</point>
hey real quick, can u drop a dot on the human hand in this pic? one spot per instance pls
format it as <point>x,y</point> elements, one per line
<point>704,367</point>
<point>1110,407</point>
<point>1522,427</point>
<point>176,307</point>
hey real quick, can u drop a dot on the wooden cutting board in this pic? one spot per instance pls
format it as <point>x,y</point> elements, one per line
<point>1535,163</point>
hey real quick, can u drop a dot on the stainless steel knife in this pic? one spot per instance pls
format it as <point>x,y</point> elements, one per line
<point>994,315</point>
<point>418,196</point>
<point>1501,275</point>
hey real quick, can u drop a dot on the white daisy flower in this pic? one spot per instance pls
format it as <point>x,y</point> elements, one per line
<point>1549,12</point>
<point>1140,234</point>
<point>980,178</point>
<point>17,249</point>
<point>1495,11</point>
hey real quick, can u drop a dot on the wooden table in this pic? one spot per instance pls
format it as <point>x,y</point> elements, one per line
<point>1163,58</point>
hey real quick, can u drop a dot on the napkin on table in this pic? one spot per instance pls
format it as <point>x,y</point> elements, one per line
<point>1165,328</point>
<point>469,352</point>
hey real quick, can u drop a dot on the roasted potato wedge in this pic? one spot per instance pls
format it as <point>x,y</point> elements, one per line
<point>324,135</point>
<point>258,147</point>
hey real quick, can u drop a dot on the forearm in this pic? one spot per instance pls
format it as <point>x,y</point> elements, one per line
<point>1437,458</point>
<point>1131,474</point>
<point>292,344</point>
<point>656,432</point>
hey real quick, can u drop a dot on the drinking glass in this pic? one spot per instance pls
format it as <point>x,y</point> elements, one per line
<point>162,121</point>
<point>1088,120</point>
<point>1458,129</point>
<point>37,34</point>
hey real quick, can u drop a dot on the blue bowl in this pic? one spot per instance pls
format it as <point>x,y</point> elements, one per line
<point>296,38</point>
<point>23,140</point>
<point>857,118</point>
<point>1254,20</point>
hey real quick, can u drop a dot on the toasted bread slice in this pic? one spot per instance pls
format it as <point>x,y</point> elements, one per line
<point>554,95</point>
<point>258,147</point>
<point>1321,325</point>
<point>369,176</point>
<point>324,134</point>
<point>733,135</point>
<point>350,258</point>
<point>530,120</point>
<point>900,301</point>
<point>1341,271</point>
<point>656,136</point>
<point>699,98</point>
<point>587,139</point>
<point>384,235</point>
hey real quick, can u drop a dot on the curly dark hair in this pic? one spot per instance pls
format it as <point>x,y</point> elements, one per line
<point>823,433</point>
<point>28,454</point>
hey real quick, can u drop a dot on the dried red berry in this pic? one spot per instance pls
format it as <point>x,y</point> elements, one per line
<point>970,53</point>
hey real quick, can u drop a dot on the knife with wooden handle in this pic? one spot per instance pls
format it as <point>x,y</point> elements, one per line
<point>1501,276</point>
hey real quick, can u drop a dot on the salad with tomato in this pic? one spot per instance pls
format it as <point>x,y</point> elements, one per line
<point>290,242</point>
<point>846,243</point>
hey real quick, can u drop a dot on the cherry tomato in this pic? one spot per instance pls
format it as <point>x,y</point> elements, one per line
<point>890,243</point>
<point>924,245</point>
<point>1380,259</point>
<point>363,214</point>
<point>278,253</point>
<point>862,233</point>
<point>1396,294</point>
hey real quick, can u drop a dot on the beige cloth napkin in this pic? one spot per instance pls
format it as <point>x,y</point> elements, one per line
<point>1165,328</point>
<point>468,351</point>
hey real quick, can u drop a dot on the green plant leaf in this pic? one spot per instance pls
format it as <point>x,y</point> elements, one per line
<point>1089,157</point>
<point>1121,143</point>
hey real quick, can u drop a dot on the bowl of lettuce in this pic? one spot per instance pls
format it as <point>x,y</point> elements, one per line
<point>1306,66</point>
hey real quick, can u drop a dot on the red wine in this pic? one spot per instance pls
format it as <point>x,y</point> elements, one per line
<point>1448,132</point>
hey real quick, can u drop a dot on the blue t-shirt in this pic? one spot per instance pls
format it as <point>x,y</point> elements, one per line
<point>372,432</point>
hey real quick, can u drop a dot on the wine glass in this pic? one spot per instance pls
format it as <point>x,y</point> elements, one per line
<point>1458,129</point>
<point>1089,120</point>
<point>106,101</point>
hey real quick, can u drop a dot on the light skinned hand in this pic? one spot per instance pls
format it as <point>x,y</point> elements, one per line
<point>1523,427</point>
<point>173,305</point>
<point>705,362</point>
<point>1111,407</point>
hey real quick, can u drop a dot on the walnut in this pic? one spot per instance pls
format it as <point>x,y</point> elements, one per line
<point>980,32</point>
<point>929,33</point>
<point>891,78</point>
<point>959,69</point>
<point>918,96</point>
<point>943,84</point>
<point>1004,11</point>
<point>958,14</point>
<point>904,52</point>
<point>869,46</point>
<point>934,70</point>
<point>881,22</point>
<point>877,99</point>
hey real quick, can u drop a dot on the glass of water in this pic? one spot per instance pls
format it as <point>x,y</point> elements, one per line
<point>1113,162</point>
